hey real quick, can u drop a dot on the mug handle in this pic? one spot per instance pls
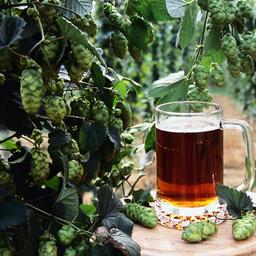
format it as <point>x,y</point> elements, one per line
<point>244,127</point>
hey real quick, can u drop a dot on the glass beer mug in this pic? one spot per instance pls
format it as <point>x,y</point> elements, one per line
<point>190,155</point>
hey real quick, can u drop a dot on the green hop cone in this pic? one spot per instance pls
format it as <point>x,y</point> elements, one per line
<point>244,9</point>
<point>229,47</point>
<point>47,245</point>
<point>86,24</point>
<point>249,45</point>
<point>56,87</point>
<point>135,52</point>
<point>5,54</point>
<point>247,65</point>
<point>100,112</point>
<point>234,68</point>
<point>37,136</point>
<point>117,20</point>
<point>74,70</point>
<point>83,248</point>
<point>115,177</point>
<point>217,75</point>
<point>126,168</point>
<point>48,13</point>
<point>70,252</point>
<point>2,79</point>
<point>199,231</point>
<point>140,214</point>
<point>119,44</point>
<point>39,166</point>
<point>127,137</point>
<point>126,113</point>
<point>66,235</point>
<point>82,56</point>
<point>75,171</point>
<point>80,107</point>
<point>201,75</point>
<point>6,252</point>
<point>221,12</point>
<point>244,227</point>
<point>55,108</point>
<point>230,11</point>
<point>50,48</point>
<point>117,123</point>
<point>5,178</point>
<point>32,12</point>
<point>70,149</point>
<point>31,90</point>
<point>196,94</point>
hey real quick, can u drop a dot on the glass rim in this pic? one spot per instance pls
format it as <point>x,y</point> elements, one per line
<point>218,108</point>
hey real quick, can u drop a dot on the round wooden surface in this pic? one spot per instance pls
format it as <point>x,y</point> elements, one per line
<point>162,241</point>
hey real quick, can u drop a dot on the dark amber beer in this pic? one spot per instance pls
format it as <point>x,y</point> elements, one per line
<point>189,162</point>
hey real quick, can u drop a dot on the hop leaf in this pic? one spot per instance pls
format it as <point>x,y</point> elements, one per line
<point>237,201</point>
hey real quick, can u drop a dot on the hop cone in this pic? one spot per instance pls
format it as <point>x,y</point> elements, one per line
<point>50,48</point>
<point>234,68</point>
<point>82,56</point>
<point>229,47</point>
<point>5,178</point>
<point>244,9</point>
<point>249,45</point>
<point>119,44</point>
<point>39,166</point>
<point>117,19</point>
<point>55,108</point>
<point>201,76</point>
<point>80,107</point>
<point>71,149</point>
<point>56,87</point>
<point>126,113</point>
<point>100,112</point>
<point>244,227</point>
<point>140,214</point>
<point>117,123</point>
<point>217,75</point>
<point>75,72</point>
<point>2,79</point>
<point>37,136</point>
<point>75,171</point>
<point>32,90</point>
<point>47,245</point>
<point>196,94</point>
<point>199,231</point>
<point>135,52</point>
<point>6,252</point>
<point>66,235</point>
<point>247,65</point>
<point>70,252</point>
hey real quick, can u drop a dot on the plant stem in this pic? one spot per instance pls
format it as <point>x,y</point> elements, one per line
<point>57,219</point>
<point>7,6</point>
<point>9,138</point>
<point>42,36</point>
<point>25,138</point>
<point>201,41</point>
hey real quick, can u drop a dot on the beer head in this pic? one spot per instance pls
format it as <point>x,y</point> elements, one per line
<point>188,124</point>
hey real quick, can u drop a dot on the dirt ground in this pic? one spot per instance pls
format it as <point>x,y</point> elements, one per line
<point>233,148</point>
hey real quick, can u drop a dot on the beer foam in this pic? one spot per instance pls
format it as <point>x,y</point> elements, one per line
<point>188,124</point>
